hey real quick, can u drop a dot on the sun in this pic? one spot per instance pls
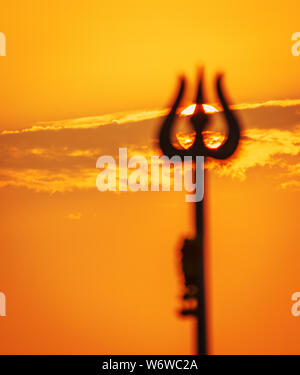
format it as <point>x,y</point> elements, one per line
<point>188,111</point>
<point>185,140</point>
<point>212,140</point>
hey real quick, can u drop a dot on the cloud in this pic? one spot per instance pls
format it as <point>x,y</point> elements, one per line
<point>43,180</point>
<point>291,177</point>
<point>293,184</point>
<point>75,216</point>
<point>261,147</point>
<point>92,122</point>
<point>270,103</point>
<point>63,161</point>
<point>133,116</point>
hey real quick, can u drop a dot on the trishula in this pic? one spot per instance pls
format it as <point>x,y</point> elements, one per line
<point>193,250</point>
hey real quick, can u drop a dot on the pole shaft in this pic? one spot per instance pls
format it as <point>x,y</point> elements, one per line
<point>201,306</point>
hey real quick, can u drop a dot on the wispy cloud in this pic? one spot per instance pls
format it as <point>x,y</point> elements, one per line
<point>270,103</point>
<point>43,180</point>
<point>131,117</point>
<point>61,161</point>
<point>92,122</point>
<point>74,216</point>
<point>259,148</point>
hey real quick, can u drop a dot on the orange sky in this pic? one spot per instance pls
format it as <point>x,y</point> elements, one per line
<point>90,272</point>
<point>67,59</point>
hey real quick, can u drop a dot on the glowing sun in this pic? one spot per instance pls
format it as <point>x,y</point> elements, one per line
<point>188,111</point>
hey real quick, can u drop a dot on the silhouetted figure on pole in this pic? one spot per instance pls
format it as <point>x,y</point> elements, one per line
<point>193,253</point>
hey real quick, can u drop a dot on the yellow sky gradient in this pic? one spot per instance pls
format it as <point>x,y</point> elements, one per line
<point>98,273</point>
<point>65,59</point>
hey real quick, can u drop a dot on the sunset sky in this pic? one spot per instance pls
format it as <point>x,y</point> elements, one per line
<point>86,272</point>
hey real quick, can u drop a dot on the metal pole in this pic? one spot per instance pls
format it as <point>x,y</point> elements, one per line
<point>193,252</point>
<point>201,306</point>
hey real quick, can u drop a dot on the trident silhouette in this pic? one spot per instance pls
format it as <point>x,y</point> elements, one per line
<point>193,254</point>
